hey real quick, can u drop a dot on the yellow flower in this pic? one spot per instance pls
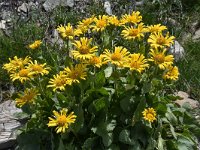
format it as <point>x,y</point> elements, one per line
<point>83,49</point>
<point>132,33</point>
<point>28,97</point>
<point>172,73</point>
<point>118,57</point>
<point>21,75</point>
<point>137,62</point>
<point>68,31</point>
<point>158,40</point>
<point>149,114</point>
<point>156,28</point>
<point>38,68</point>
<point>100,23</point>
<point>61,120</point>
<point>35,45</point>
<point>16,63</point>
<point>95,61</point>
<point>85,24</point>
<point>113,20</point>
<point>76,73</point>
<point>131,18</point>
<point>59,81</point>
<point>160,59</point>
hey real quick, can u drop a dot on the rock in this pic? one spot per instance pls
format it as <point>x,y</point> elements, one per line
<point>8,124</point>
<point>196,35</point>
<point>177,50</point>
<point>185,99</point>
<point>23,8</point>
<point>2,24</point>
<point>51,4</point>
<point>107,7</point>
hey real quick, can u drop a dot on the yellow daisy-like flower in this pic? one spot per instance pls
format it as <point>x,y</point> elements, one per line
<point>76,73</point>
<point>61,120</point>
<point>172,73</point>
<point>149,114</point>
<point>83,49</point>
<point>35,45</point>
<point>100,23</point>
<point>28,97</point>
<point>158,40</point>
<point>85,24</point>
<point>95,61</point>
<point>132,32</point>
<point>16,63</point>
<point>59,81</point>
<point>131,18</point>
<point>21,75</point>
<point>118,57</point>
<point>37,68</point>
<point>137,62</point>
<point>68,31</point>
<point>113,20</point>
<point>160,58</point>
<point>156,28</point>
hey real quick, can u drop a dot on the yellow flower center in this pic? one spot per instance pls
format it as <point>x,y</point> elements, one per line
<point>23,73</point>
<point>160,40</point>
<point>116,56</point>
<point>37,68</point>
<point>150,116</point>
<point>135,64</point>
<point>69,32</point>
<point>74,74</point>
<point>61,120</point>
<point>159,58</point>
<point>84,49</point>
<point>133,32</point>
<point>86,22</point>
<point>60,82</point>
<point>100,23</point>
<point>132,19</point>
<point>95,60</point>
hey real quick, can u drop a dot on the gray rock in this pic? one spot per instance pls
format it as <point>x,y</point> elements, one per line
<point>177,50</point>
<point>107,7</point>
<point>196,35</point>
<point>2,24</point>
<point>51,4</point>
<point>8,124</point>
<point>185,99</point>
<point>23,8</point>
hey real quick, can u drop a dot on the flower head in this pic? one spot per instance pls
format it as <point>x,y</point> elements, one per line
<point>35,45</point>
<point>100,23</point>
<point>85,24</point>
<point>172,73</point>
<point>16,63</point>
<point>156,28</point>
<point>137,62</point>
<point>149,114</point>
<point>158,40</point>
<point>76,73</point>
<point>95,61</point>
<point>160,58</point>
<point>132,32</point>
<point>37,68</point>
<point>113,20</point>
<point>61,120</point>
<point>59,81</point>
<point>83,49</point>
<point>21,75</point>
<point>118,57</point>
<point>28,97</point>
<point>68,31</point>
<point>131,18</point>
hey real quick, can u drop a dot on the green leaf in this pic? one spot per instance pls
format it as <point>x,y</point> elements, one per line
<point>125,103</point>
<point>173,132</point>
<point>171,117</point>
<point>160,143</point>
<point>146,87</point>
<point>61,145</point>
<point>89,143</point>
<point>100,79</point>
<point>108,71</point>
<point>124,137</point>
<point>79,120</point>
<point>140,108</point>
<point>100,104</point>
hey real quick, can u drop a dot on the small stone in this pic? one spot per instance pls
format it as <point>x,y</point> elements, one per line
<point>177,50</point>
<point>196,35</point>
<point>23,8</point>
<point>2,24</point>
<point>107,7</point>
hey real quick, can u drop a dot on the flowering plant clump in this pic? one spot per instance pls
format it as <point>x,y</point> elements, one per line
<point>111,88</point>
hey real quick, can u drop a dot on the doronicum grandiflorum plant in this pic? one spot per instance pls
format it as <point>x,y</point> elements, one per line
<point>110,89</point>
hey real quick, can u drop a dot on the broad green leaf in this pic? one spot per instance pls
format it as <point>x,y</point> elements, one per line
<point>146,87</point>
<point>89,143</point>
<point>160,143</point>
<point>171,117</point>
<point>124,137</point>
<point>172,131</point>
<point>114,147</point>
<point>140,108</point>
<point>61,145</point>
<point>79,120</point>
<point>100,79</point>
<point>108,71</point>
<point>125,103</point>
